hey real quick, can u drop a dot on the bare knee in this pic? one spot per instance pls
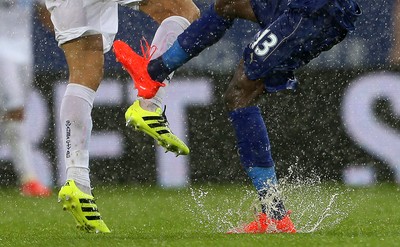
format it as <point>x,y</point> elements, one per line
<point>85,60</point>
<point>238,96</point>
<point>189,10</point>
<point>234,95</point>
<point>235,9</point>
<point>161,9</point>
<point>241,91</point>
<point>231,96</point>
<point>225,8</point>
<point>14,115</point>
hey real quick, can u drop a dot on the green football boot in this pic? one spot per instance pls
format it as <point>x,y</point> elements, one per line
<point>155,124</point>
<point>83,207</point>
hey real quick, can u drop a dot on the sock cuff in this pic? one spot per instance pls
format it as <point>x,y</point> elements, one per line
<point>238,113</point>
<point>182,21</point>
<point>81,91</point>
<point>174,58</point>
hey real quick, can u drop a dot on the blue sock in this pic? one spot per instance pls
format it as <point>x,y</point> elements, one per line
<point>263,178</point>
<point>202,33</point>
<point>175,57</point>
<point>252,137</point>
<point>255,155</point>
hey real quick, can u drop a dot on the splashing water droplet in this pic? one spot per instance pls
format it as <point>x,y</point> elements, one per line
<point>315,204</point>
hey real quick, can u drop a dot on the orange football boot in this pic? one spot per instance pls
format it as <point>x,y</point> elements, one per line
<point>136,66</point>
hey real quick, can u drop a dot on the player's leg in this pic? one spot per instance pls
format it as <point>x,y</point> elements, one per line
<point>251,133</point>
<point>202,33</point>
<point>147,114</point>
<point>160,10</point>
<point>288,43</point>
<point>14,81</point>
<point>20,149</point>
<point>210,22</point>
<point>268,49</point>
<point>84,56</point>
<point>174,17</point>
<point>85,60</point>
<point>79,26</point>
<point>255,153</point>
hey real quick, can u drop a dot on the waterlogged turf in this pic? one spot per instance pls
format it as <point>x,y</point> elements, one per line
<point>325,215</point>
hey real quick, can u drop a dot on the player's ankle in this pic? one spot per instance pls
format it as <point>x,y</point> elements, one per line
<point>148,105</point>
<point>85,189</point>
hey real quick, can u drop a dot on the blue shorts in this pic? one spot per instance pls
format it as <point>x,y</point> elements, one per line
<point>292,39</point>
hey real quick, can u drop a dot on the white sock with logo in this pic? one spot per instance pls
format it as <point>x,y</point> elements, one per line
<point>165,36</point>
<point>76,127</point>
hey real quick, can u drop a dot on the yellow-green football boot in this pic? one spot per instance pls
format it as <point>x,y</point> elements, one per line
<point>155,124</point>
<point>83,207</point>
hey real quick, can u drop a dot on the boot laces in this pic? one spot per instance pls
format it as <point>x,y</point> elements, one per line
<point>147,49</point>
<point>164,120</point>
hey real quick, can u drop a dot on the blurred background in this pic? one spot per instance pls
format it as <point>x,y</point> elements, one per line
<point>341,125</point>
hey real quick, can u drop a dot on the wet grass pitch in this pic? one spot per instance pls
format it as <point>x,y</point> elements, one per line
<point>324,214</point>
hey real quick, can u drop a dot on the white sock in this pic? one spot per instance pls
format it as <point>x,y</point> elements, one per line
<point>20,150</point>
<point>164,37</point>
<point>76,127</point>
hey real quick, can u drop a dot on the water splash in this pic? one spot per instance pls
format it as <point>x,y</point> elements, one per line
<point>316,205</point>
<point>222,217</point>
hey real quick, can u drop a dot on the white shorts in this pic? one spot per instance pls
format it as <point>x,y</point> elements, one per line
<point>77,18</point>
